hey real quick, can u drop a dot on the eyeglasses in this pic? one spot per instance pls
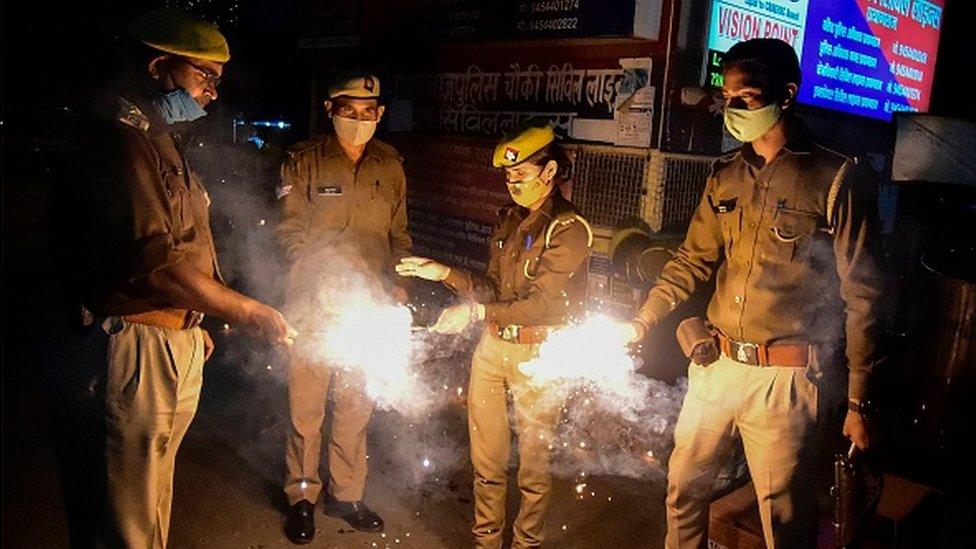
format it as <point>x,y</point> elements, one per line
<point>211,77</point>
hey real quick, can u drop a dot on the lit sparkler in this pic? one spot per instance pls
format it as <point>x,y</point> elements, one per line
<point>374,340</point>
<point>610,413</point>
<point>590,352</point>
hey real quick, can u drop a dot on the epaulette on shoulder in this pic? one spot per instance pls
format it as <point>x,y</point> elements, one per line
<point>130,115</point>
<point>388,150</point>
<point>506,210</point>
<point>729,156</point>
<point>723,161</point>
<point>726,159</point>
<point>566,218</point>
<point>300,148</point>
<point>839,155</point>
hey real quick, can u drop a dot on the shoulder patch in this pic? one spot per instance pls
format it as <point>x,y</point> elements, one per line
<point>840,178</point>
<point>130,115</point>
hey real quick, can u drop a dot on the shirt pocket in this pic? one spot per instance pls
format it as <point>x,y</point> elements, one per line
<point>329,200</point>
<point>382,202</point>
<point>174,183</point>
<point>793,232</point>
<point>731,225</point>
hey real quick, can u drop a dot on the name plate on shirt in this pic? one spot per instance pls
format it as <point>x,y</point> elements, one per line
<point>328,190</point>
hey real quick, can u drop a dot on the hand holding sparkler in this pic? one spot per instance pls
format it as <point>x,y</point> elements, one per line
<point>632,331</point>
<point>421,267</point>
<point>455,319</point>
<point>270,324</point>
<point>856,429</point>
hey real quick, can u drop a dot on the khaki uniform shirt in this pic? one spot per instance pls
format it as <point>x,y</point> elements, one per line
<point>529,281</point>
<point>790,243</point>
<point>332,203</point>
<point>142,208</point>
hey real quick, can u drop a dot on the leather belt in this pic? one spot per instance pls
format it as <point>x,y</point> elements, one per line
<point>755,354</point>
<point>172,319</point>
<point>525,335</point>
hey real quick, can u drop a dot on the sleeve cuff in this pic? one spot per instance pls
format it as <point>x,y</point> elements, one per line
<point>459,281</point>
<point>653,310</point>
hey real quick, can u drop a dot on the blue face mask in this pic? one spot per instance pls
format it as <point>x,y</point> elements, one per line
<point>178,106</point>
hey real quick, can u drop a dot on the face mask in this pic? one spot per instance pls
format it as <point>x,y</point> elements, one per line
<point>355,132</point>
<point>528,192</point>
<point>178,106</point>
<point>748,125</point>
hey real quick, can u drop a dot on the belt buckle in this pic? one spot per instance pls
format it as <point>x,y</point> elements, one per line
<point>746,353</point>
<point>510,333</point>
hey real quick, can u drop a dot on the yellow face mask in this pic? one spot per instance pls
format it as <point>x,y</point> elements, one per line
<point>528,192</point>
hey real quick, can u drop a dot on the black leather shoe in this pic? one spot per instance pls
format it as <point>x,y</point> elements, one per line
<point>300,522</point>
<point>355,513</point>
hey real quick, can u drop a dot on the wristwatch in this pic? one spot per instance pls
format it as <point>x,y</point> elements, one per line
<point>856,406</point>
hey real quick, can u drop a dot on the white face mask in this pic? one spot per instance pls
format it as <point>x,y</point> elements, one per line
<point>352,131</point>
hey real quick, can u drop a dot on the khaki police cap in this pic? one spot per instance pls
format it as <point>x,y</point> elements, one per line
<point>517,147</point>
<point>174,31</point>
<point>359,85</point>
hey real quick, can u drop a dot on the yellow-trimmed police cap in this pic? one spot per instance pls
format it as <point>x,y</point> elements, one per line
<point>175,31</point>
<point>360,85</point>
<point>516,147</point>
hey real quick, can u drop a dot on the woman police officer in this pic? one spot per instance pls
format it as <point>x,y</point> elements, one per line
<point>535,282</point>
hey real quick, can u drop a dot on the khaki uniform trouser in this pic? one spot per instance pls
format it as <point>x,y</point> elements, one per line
<point>308,387</point>
<point>775,412</point>
<point>494,369</point>
<point>152,390</point>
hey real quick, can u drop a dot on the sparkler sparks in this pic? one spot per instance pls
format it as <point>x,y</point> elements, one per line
<point>374,340</point>
<point>591,352</point>
<point>610,413</point>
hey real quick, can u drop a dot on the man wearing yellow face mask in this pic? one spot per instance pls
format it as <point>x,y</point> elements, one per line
<point>536,281</point>
<point>344,218</point>
<point>787,227</point>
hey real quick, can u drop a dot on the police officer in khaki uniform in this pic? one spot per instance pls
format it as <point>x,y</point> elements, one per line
<point>787,228</point>
<point>344,215</point>
<point>144,263</point>
<point>535,282</point>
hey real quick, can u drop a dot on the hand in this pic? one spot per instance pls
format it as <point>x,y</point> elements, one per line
<point>208,345</point>
<point>453,320</point>
<point>856,429</point>
<point>632,331</point>
<point>401,295</point>
<point>270,325</point>
<point>421,267</point>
